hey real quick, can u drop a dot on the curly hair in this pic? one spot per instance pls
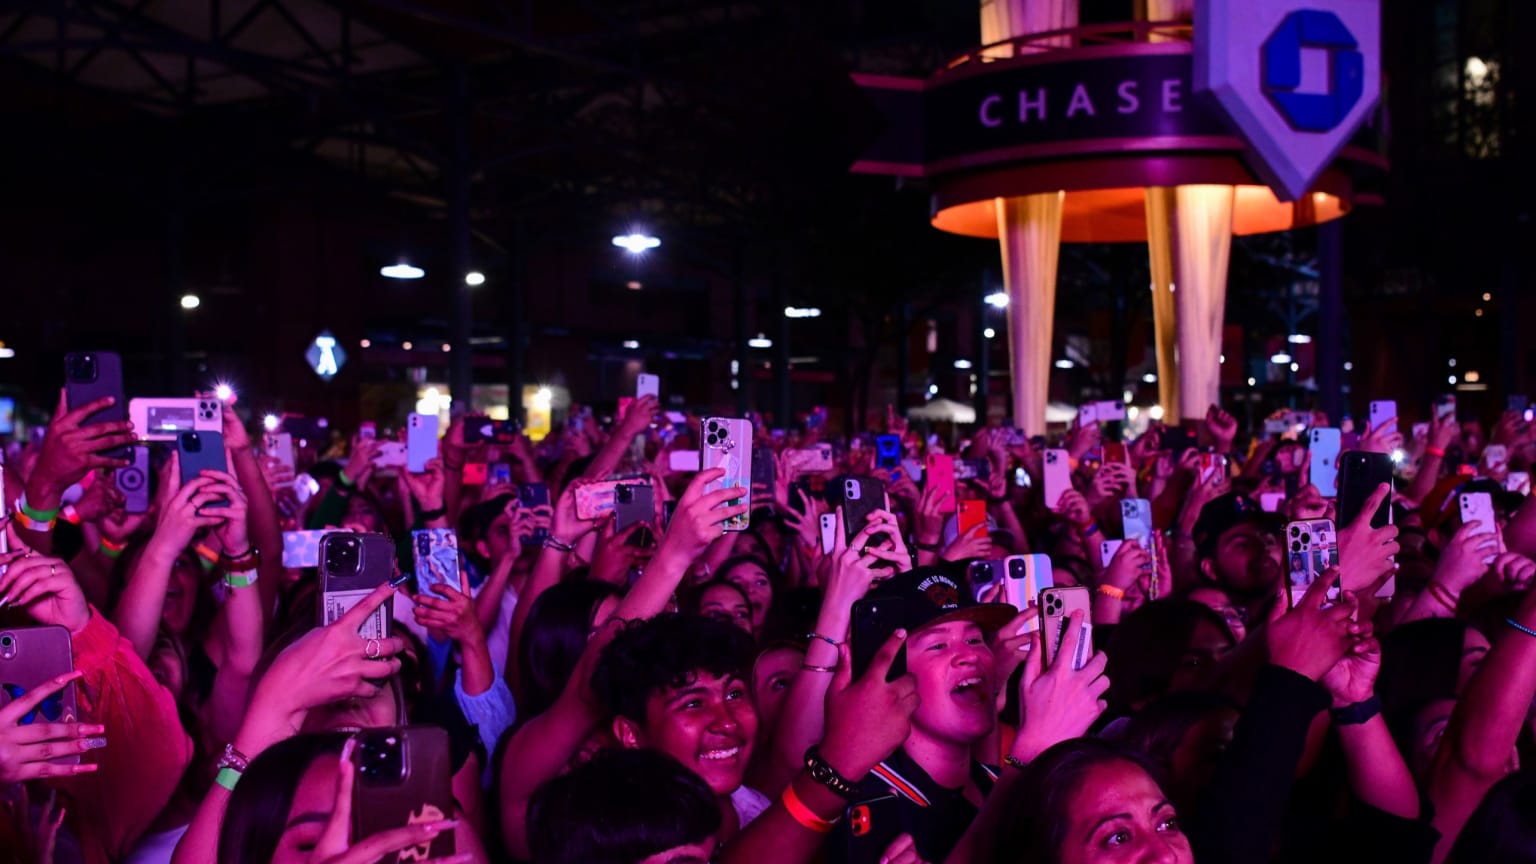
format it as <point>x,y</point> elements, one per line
<point>668,652</point>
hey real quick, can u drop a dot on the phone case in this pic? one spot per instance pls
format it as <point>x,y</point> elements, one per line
<point>595,500</point>
<point>1056,607</point>
<point>302,548</point>
<point>498,474</point>
<point>1108,548</point>
<point>873,621</point>
<point>861,497</point>
<point>30,657</point>
<point>888,452</point>
<point>647,385</point>
<point>199,452</point>
<point>1384,416</point>
<point>1136,519</point>
<point>727,444</point>
<point>1058,477</point>
<point>351,566</point>
<point>133,481</point>
<point>971,514</point>
<point>1311,548</point>
<point>420,442</point>
<point>1323,456</point>
<point>828,533</point>
<point>437,559</point>
<point>90,375</point>
<point>1445,406</point>
<point>1088,414</point>
<point>973,469</point>
<point>812,460</point>
<point>1359,475</point>
<point>1495,456</point>
<point>873,825</point>
<point>763,469</point>
<point>164,419</point>
<point>279,445</point>
<point>632,503</point>
<point>1479,506</point>
<point>391,454</point>
<point>941,476</point>
<point>1026,577</point>
<point>1114,451</point>
<point>1518,482</point>
<point>1213,465</point>
<point>404,777</point>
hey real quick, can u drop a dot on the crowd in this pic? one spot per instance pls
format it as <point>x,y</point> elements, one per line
<point>909,652</point>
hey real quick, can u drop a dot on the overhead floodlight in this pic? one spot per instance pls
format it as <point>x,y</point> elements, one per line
<point>1149,378</point>
<point>1299,339</point>
<point>402,270</point>
<point>989,333</point>
<point>190,301</point>
<point>1065,363</point>
<point>760,341</point>
<point>271,422</point>
<point>635,244</point>
<point>1280,359</point>
<point>631,344</point>
<point>801,312</point>
<point>962,364</point>
<point>474,278</point>
<point>998,300</point>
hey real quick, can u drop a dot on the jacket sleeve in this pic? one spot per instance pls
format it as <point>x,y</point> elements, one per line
<point>1242,810</point>
<point>147,749</point>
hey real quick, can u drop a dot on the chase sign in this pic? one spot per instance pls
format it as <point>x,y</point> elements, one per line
<point>1295,77</point>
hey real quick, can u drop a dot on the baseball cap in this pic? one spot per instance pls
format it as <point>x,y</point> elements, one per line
<point>1220,515</point>
<point>935,594</point>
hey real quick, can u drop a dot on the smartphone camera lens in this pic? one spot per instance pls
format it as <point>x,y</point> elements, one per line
<point>191,443</point>
<point>1016,569</point>
<point>82,367</point>
<point>7,641</point>
<point>625,494</point>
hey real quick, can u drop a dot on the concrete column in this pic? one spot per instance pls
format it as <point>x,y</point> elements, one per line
<point>1202,246</point>
<point>1029,230</point>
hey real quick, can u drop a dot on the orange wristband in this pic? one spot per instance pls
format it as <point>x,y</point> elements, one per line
<point>802,814</point>
<point>1112,592</point>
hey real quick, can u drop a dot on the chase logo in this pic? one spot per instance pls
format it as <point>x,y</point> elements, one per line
<point>1283,58</point>
<point>1295,78</point>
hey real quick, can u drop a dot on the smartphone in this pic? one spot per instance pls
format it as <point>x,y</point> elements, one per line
<point>1056,607</point>
<point>874,620</point>
<point>596,500</point>
<point>1311,548</point>
<point>1108,550</point>
<point>1518,482</point>
<point>632,503</point>
<point>164,419</point>
<point>90,375</point>
<point>828,533</point>
<point>1271,502</point>
<point>763,468</point>
<point>1213,467</point>
<point>29,658</point>
<point>813,460</point>
<point>1024,577</point>
<point>1058,477</point>
<point>873,825</point>
<point>1360,474</point>
<point>302,548</point>
<point>351,566</point>
<point>970,514</point>
<point>483,430</point>
<point>476,473</point>
<point>1383,417</point>
<point>279,445</point>
<point>420,442</point>
<point>1323,453</point>
<point>1114,451</point>
<point>498,474</point>
<point>1495,457</point>
<point>199,452</point>
<point>1421,430</point>
<point>391,454</point>
<point>1479,506</point>
<point>888,452</point>
<point>1088,414</point>
<point>1445,406</point>
<point>727,444</point>
<point>973,469</point>
<point>133,481</point>
<point>437,559</point>
<point>404,777</point>
<point>647,385</point>
<point>532,496</point>
<point>861,497</point>
<point>367,430</point>
<point>1136,520</point>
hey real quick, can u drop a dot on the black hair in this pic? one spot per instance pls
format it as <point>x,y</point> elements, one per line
<point>1420,663</point>
<point>694,598</point>
<point>668,651</point>
<point>1503,828</point>
<point>621,807</point>
<point>258,808</point>
<point>552,640</point>
<point>1158,729</point>
<point>1039,804</point>
<point>475,523</point>
<point>1148,645</point>
<point>775,575</point>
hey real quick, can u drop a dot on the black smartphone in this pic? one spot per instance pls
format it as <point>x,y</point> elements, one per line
<point>404,777</point>
<point>861,497</point>
<point>198,452</point>
<point>874,620</point>
<point>90,375</point>
<point>1359,475</point>
<point>483,429</point>
<point>351,566</point>
<point>633,503</point>
<point>531,496</point>
<point>763,469</point>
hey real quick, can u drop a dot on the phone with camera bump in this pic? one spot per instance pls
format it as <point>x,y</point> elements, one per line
<point>595,500</point>
<point>483,430</point>
<point>1445,406</point>
<point>1024,577</point>
<point>941,476</point>
<point>969,515</point>
<point>390,454</point>
<point>1383,417</point>
<point>165,419</point>
<point>1360,474</point>
<point>91,375</point>
<point>828,533</point>
<point>873,825</point>
<point>888,452</point>
<point>436,551</point>
<point>1058,477</point>
<point>420,442</point>
<point>647,385</point>
<point>727,445</point>
<point>351,566</point>
<point>633,503</point>
<point>1323,446</point>
<point>873,622</point>
<point>861,497</point>
<point>133,481</point>
<point>198,452</point>
<point>404,777</point>
<point>29,658</point>
<point>1311,547</point>
<point>1056,607</point>
<point>1212,468</point>
<point>533,496</point>
<point>812,460</point>
<point>1479,506</point>
<point>279,446</point>
<point>1136,520</point>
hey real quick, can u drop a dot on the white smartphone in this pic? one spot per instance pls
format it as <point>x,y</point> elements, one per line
<point>1479,506</point>
<point>828,533</point>
<point>647,385</point>
<point>1384,417</point>
<point>420,442</point>
<point>165,419</point>
<point>1058,476</point>
<point>1271,502</point>
<point>1311,548</point>
<point>1088,414</point>
<point>1518,482</point>
<point>1323,468</point>
<point>1109,411</point>
<point>1495,457</point>
<point>1136,519</point>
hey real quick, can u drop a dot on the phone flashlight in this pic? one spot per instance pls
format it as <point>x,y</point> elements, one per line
<point>224,393</point>
<point>271,422</point>
<point>1398,457</point>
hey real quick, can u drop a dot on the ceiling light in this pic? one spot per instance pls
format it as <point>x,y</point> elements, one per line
<point>801,312</point>
<point>1299,339</point>
<point>635,243</point>
<point>1280,359</point>
<point>760,341</point>
<point>190,301</point>
<point>989,333</point>
<point>631,344</point>
<point>405,345</point>
<point>962,364</point>
<point>402,270</point>
<point>1149,378</point>
<point>1065,363</point>
<point>473,278</point>
<point>998,300</point>
<point>364,343</point>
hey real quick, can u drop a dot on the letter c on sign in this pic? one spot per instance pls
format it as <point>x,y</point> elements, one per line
<point>989,117</point>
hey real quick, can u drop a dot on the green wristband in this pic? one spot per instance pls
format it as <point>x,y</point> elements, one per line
<point>38,515</point>
<point>227,777</point>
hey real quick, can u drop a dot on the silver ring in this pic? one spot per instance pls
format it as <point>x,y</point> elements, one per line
<point>53,570</point>
<point>373,649</point>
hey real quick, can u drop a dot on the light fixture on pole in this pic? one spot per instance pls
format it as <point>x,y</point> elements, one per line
<point>801,312</point>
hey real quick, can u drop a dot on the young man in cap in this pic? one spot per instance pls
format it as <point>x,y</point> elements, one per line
<point>932,787</point>
<point>1236,554</point>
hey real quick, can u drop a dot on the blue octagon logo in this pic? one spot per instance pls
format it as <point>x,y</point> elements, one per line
<point>1313,112</point>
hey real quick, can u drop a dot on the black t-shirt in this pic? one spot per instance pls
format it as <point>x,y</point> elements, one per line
<point>899,797</point>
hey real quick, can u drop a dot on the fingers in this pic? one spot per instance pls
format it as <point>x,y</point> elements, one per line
<point>1070,643</point>
<point>65,417</point>
<point>354,618</point>
<point>376,847</point>
<point>19,708</point>
<point>1372,504</point>
<point>1317,592</point>
<point>338,829</point>
<point>38,733</point>
<point>881,665</point>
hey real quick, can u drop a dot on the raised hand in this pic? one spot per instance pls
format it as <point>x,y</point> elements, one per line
<point>336,845</point>
<point>100,499</point>
<point>1353,678</point>
<point>70,450</point>
<point>613,558</point>
<point>697,520</point>
<point>1310,638</point>
<point>236,438</point>
<point>26,751</point>
<point>868,719</point>
<point>1083,439</point>
<point>41,586</point>
<point>975,543</point>
<point>1222,427</point>
<point>360,462</point>
<point>1124,570</point>
<point>1366,553</point>
<point>1074,508</point>
<point>1059,702</point>
<point>1385,439</point>
<point>1465,558</point>
<point>427,487</point>
<point>449,612</point>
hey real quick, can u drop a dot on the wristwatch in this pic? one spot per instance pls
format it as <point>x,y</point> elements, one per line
<point>1360,712</point>
<point>823,772</point>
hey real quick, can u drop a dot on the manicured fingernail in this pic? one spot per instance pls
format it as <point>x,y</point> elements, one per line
<point>901,633</point>
<point>93,730</point>
<point>347,748</point>
<point>400,580</point>
<point>93,744</point>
